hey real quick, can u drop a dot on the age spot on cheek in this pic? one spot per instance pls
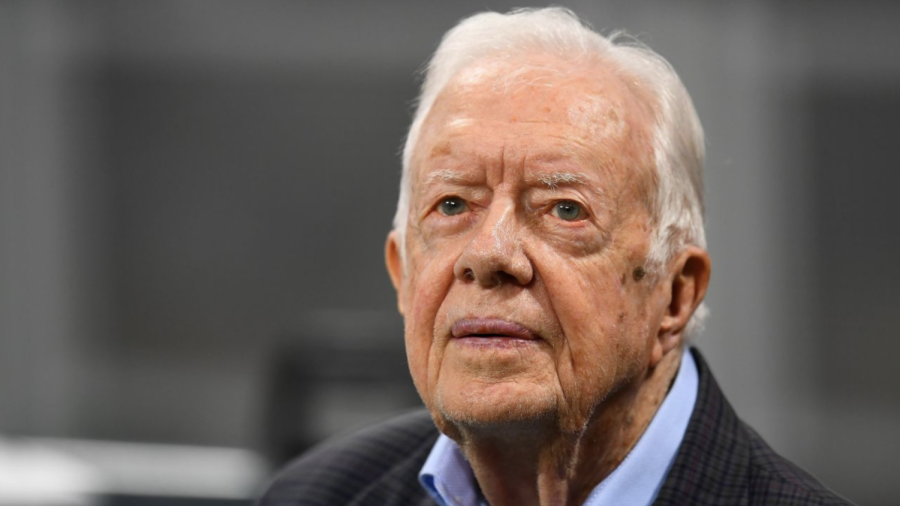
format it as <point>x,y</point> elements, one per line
<point>639,273</point>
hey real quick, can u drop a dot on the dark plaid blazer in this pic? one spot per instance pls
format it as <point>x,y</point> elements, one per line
<point>721,462</point>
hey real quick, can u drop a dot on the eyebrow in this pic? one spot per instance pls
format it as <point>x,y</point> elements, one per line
<point>551,180</point>
<point>554,179</point>
<point>446,175</point>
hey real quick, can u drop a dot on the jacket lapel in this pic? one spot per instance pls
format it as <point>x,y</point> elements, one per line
<point>712,464</point>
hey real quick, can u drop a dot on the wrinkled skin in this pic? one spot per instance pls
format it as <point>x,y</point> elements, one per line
<point>529,214</point>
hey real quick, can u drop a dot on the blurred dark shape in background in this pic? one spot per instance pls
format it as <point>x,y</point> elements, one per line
<point>194,197</point>
<point>322,387</point>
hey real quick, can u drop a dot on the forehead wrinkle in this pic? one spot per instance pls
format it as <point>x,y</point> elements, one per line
<point>441,149</point>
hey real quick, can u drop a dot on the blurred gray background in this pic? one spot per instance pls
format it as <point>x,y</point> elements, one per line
<point>194,198</point>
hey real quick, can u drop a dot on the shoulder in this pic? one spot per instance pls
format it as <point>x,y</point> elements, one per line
<point>774,479</point>
<point>723,462</point>
<point>377,465</point>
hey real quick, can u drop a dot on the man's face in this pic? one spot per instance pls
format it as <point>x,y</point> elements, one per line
<point>528,217</point>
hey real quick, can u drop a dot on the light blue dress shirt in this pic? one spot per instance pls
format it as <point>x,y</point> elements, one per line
<point>448,477</point>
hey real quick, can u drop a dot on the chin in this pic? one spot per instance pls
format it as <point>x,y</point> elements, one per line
<point>501,405</point>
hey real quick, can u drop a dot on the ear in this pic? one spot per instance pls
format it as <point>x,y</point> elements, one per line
<point>686,286</point>
<point>394,261</point>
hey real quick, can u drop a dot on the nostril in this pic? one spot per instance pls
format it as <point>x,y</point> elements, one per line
<point>500,277</point>
<point>469,274</point>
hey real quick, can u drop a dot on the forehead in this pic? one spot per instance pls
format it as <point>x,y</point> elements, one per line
<point>550,89</point>
<point>554,109</point>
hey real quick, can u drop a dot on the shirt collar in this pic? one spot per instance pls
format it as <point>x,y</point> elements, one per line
<point>447,475</point>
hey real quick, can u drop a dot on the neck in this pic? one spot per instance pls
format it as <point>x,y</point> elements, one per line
<point>537,464</point>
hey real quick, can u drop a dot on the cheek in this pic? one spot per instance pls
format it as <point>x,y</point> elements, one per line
<point>597,315</point>
<point>426,291</point>
<point>416,355</point>
<point>587,297</point>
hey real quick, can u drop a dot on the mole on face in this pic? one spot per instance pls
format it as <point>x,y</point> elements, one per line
<point>639,273</point>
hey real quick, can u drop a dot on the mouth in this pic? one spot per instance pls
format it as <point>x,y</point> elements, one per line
<point>490,329</point>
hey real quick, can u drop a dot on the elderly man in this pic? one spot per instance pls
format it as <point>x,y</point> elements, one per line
<point>549,258</point>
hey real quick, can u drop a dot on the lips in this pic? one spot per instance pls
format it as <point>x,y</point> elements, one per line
<point>490,328</point>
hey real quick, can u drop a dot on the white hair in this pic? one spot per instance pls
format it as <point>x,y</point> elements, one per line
<point>678,145</point>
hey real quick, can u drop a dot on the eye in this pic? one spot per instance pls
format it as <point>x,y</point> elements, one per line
<point>452,206</point>
<point>568,210</point>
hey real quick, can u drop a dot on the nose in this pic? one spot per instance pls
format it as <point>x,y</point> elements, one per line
<point>496,253</point>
